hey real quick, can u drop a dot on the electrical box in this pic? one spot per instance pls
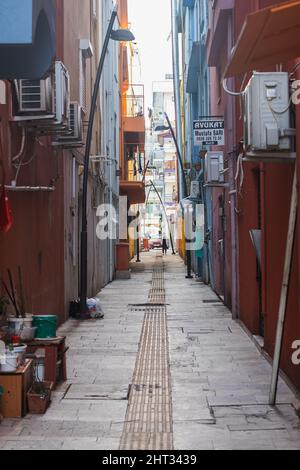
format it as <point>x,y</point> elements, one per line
<point>195,189</point>
<point>214,168</point>
<point>267,113</point>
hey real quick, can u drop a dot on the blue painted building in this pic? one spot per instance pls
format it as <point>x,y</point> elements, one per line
<point>193,17</point>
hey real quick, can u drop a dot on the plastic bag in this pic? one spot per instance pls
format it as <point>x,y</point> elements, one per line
<point>95,308</point>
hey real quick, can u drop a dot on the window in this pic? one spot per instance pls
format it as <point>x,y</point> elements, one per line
<point>94,10</point>
<point>219,82</point>
<point>2,92</point>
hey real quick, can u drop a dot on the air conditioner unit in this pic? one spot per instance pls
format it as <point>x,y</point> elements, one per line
<point>35,97</point>
<point>267,119</point>
<point>61,94</point>
<point>44,104</point>
<point>73,137</point>
<point>214,168</point>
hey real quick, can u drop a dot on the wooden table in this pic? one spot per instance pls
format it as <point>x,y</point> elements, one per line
<point>55,357</point>
<point>13,403</point>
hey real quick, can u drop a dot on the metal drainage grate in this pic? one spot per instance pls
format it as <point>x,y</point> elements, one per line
<point>148,423</point>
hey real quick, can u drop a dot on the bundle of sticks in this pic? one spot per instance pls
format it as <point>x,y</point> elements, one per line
<point>17,302</point>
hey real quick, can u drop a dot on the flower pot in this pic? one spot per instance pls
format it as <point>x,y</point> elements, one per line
<point>39,401</point>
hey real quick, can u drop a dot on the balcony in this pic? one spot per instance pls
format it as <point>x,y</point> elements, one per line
<point>27,38</point>
<point>134,112</point>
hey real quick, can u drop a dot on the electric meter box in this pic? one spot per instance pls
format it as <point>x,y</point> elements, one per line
<point>195,189</point>
<point>214,168</point>
<point>267,113</point>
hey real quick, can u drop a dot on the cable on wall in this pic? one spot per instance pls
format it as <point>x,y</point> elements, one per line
<point>232,93</point>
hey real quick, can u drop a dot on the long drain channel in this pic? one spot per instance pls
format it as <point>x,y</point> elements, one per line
<point>149,424</point>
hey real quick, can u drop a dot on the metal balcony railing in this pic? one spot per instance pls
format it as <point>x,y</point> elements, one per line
<point>135,101</point>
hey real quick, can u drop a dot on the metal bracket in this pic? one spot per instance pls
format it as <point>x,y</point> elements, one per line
<point>270,157</point>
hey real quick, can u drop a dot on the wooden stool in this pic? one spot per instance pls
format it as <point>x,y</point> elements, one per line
<point>55,358</point>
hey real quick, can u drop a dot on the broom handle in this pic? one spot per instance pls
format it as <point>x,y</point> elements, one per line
<point>13,292</point>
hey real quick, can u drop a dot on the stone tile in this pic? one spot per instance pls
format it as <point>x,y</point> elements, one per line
<point>191,436</point>
<point>105,411</point>
<point>33,445</point>
<point>91,444</point>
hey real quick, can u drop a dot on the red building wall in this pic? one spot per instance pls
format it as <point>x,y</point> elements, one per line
<point>43,240</point>
<point>275,195</point>
<point>263,202</point>
<point>35,241</point>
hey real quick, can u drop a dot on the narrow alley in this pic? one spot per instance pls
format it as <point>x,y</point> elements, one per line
<point>166,369</point>
<point>149,227</point>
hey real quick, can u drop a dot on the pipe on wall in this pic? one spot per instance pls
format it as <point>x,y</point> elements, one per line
<point>176,73</point>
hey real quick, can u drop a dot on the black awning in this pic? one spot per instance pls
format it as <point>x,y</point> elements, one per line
<point>27,38</point>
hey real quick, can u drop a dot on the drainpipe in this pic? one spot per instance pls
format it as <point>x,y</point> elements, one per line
<point>176,74</point>
<point>298,168</point>
<point>233,197</point>
<point>30,189</point>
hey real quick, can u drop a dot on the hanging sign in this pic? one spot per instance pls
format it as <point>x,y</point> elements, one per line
<point>209,131</point>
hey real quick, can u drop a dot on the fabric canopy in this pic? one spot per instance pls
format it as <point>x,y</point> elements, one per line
<point>269,36</point>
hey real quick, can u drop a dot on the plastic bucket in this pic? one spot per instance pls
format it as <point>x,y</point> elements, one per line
<point>45,325</point>
<point>28,334</point>
<point>11,363</point>
<point>20,352</point>
<point>40,370</point>
<point>16,325</point>
<point>20,349</point>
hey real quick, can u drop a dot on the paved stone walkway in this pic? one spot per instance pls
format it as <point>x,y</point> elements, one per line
<point>219,380</point>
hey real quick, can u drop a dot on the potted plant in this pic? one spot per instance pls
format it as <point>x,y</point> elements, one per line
<point>39,397</point>
<point>3,312</point>
<point>20,320</point>
<point>3,306</point>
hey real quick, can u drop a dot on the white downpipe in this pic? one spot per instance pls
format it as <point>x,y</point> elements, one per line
<point>22,148</point>
<point>30,189</point>
<point>284,292</point>
<point>74,209</point>
<point>176,74</point>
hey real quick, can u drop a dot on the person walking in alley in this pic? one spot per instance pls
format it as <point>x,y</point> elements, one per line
<point>165,246</point>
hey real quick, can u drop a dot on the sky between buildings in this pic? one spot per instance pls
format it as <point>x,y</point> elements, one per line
<point>151,24</point>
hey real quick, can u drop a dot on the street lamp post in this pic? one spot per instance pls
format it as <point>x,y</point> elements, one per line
<point>121,35</point>
<point>138,258</point>
<point>184,185</point>
<point>165,212</point>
